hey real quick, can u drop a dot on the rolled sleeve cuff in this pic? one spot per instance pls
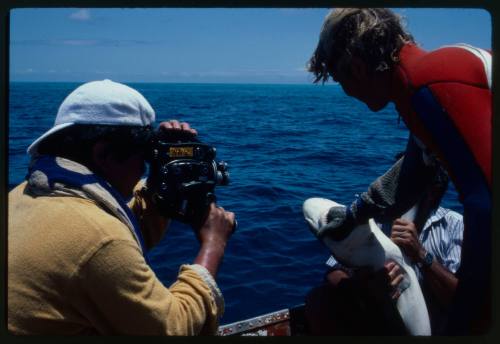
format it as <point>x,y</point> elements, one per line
<point>207,277</point>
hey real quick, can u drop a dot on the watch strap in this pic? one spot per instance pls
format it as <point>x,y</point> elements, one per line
<point>428,259</point>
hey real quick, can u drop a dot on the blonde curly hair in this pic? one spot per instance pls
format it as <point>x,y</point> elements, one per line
<point>373,34</point>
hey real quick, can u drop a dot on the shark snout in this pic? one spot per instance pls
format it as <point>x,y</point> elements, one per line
<point>315,211</point>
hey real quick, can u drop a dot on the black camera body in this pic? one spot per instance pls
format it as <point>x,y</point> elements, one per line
<point>183,176</point>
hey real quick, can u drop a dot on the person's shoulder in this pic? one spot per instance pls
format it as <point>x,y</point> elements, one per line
<point>449,212</point>
<point>455,53</point>
<point>98,220</point>
<point>453,219</point>
<point>454,63</point>
<point>91,227</point>
<point>81,217</point>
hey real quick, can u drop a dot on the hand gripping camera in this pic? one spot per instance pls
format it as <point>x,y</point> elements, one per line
<point>183,176</point>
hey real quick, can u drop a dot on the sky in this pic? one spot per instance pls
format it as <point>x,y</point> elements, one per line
<point>213,45</point>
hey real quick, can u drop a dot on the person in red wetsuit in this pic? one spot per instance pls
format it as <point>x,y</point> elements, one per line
<point>444,98</point>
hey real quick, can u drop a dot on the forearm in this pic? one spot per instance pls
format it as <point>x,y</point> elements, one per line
<point>213,236</point>
<point>441,282</point>
<point>210,256</point>
<point>393,193</point>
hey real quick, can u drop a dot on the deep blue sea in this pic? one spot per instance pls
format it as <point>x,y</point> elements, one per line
<point>283,143</point>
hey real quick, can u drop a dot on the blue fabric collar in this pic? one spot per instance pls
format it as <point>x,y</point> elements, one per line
<point>56,173</point>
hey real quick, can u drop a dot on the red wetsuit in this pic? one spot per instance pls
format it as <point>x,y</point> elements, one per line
<point>444,97</point>
<point>457,80</point>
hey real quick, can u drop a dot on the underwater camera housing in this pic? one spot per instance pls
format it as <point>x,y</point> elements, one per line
<point>184,174</point>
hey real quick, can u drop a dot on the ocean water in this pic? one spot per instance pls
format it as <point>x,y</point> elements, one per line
<point>283,143</point>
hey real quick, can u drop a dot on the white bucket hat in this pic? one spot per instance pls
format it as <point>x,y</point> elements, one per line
<point>100,102</point>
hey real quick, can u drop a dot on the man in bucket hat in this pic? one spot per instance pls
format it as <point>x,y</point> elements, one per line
<point>76,248</point>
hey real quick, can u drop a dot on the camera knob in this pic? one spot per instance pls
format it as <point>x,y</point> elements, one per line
<point>211,152</point>
<point>222,166</point>
<point>164,170</point>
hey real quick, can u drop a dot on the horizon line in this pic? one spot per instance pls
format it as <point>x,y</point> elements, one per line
<point>181,82</point>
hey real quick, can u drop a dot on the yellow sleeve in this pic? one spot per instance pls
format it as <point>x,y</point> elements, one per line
<point>153,224</point>
<point>123,295</point>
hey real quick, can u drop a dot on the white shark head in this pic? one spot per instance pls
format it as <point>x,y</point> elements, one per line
<point>361,247</point>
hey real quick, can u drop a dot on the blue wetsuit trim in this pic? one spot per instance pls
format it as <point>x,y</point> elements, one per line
<point>475,268</point>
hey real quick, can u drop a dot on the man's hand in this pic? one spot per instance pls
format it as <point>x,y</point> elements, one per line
<point>174,128</point>
<point>217,227</point>
<point>395,274</point>
<point>382,281</point>
<point>213,236</point>
<point>405,235</point>
<point>175,125</point>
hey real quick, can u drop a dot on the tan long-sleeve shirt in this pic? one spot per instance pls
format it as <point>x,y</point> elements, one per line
<point>73,269</point>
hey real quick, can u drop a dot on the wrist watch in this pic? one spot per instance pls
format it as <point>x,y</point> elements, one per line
<point>427,260</point>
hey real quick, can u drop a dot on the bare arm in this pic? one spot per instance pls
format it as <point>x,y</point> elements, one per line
<point>213,236</point>
<point>442,282</point>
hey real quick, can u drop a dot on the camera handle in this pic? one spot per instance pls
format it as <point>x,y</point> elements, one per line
<point>199,218</point>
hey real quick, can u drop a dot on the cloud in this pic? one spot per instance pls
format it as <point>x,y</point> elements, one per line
<point>24,71</point>
<point>81,15</point>
<point>78,42</point>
